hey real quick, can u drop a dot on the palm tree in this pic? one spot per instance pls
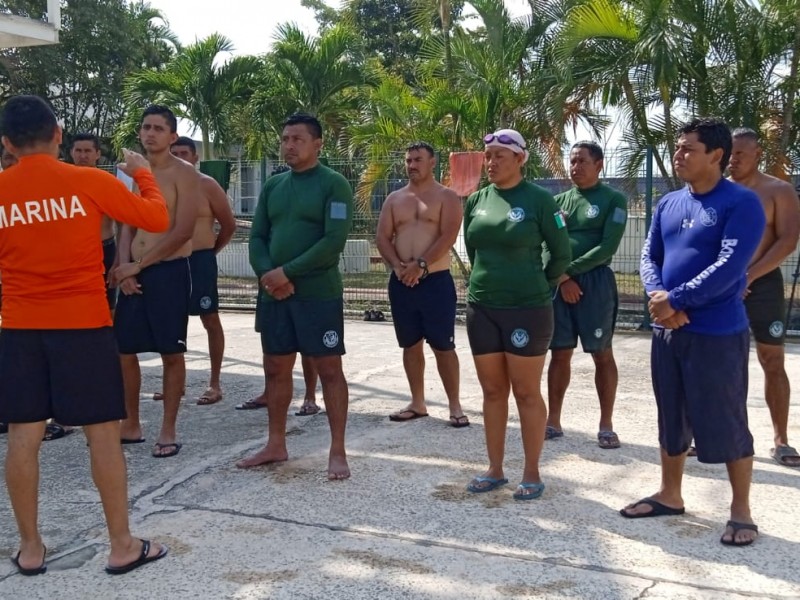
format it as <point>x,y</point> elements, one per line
<point>319,75</point>
<point>198,88</point>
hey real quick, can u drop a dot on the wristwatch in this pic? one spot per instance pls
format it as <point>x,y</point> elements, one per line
<point>423,264</point>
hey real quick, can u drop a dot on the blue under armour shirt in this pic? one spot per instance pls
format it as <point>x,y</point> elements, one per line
<point>698,249</point>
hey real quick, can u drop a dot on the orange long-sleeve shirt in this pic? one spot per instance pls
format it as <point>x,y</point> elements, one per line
<point>51,256</point>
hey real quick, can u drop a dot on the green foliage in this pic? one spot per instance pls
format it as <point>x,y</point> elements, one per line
<point>100,42</point>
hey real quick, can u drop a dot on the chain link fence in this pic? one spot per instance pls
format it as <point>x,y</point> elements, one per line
<point>365,276</point>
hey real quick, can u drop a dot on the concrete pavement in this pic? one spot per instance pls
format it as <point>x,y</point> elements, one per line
<point>404,526</point>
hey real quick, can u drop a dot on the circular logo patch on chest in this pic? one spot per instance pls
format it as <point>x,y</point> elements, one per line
<point>592,211</point>
<point>516,214</point>
<point>709,217</point>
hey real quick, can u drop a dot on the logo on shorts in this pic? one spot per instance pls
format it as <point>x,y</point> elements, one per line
<point>205,302</point>
<point>516,214</point>
<point>709,217</point>
<point>592,211</point>
<point>519,338</point>
<point>776,329</point>
<point>330,339</point>
<point>598,333</point>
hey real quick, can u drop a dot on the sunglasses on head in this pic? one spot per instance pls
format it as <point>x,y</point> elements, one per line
<point>503,139</point>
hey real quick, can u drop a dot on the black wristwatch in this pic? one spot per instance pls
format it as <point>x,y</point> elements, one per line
<point>423,264</point>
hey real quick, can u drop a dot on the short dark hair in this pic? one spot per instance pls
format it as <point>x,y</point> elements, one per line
<point>28,120</point>
<point>87,137</point>
<point>593,148</point>
<point>186,142</point>
<point>421,146</point>
<point>713,133</point>
<point>745,133</point>
<point>160,109</point>
<point>310,121</point>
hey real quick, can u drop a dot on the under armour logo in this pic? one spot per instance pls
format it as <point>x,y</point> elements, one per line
<point>687,224</point>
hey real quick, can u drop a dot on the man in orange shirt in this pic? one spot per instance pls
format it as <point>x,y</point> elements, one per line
<point>58,356</point>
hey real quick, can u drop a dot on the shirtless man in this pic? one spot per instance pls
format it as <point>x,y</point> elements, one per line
<point>206,244</point>
<point>418,226</point>
<point>153,277</point>
<point>764,298</point>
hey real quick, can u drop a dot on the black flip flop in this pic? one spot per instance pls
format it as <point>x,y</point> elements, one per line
<point>659,510</point>
<point>54,431</point>
<point>176,447</point>
<point>140,440</point>
<point>142,560</point>
<point>30,572</point>
<point>414,415</point>
<point>249,405</point>
<point>458,422</point>
<point>307,410</point>
<point>737,526</point>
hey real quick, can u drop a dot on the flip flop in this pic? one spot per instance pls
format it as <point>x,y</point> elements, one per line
<point>249,405</point>
<point>659,510</point>
<point>493,483</point>
<point>142,560</point>
<point>30,572</point>
<point>307,410</point>
<point>210,396</point>
<point>54,431</point>
<point>608,440</point>
<point>551,433</point>
<point>132,440</point>
<point>458,422</point>
<point>414,415</point>
<point>737,526</point>
<point>176,447</point>
<point>537,491</point>
<point>784,454</point>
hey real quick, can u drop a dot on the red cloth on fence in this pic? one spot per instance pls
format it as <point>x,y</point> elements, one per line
<point>465,172</point>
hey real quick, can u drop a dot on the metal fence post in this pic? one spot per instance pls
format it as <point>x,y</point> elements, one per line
<point>648,217</point>
<point>439,166</point>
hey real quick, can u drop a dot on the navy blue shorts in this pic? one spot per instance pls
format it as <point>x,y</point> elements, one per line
<point>700,385</point>
<point>205,296</point>
<point>593,318</point>
<point>310,327</point>
<point>518,331</point>
<point>427,310</point>
<point>109,254</point>
<point>157,319</point>
<point>766,309</point>
<point>70,375</point>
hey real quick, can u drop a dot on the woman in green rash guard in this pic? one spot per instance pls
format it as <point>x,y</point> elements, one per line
<point>509,305</point>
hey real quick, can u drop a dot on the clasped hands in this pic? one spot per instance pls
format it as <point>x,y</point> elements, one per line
<point>276,284</point>
<point>663,314</point>
<point>409,274</point>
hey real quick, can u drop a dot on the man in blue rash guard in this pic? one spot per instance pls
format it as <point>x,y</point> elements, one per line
<point>693,267</point>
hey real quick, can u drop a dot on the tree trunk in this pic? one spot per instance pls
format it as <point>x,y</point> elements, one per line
<point>208,150</point>
<point>641,120</point>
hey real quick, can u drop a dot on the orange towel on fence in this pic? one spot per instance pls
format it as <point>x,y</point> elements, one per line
<point>465,172</point>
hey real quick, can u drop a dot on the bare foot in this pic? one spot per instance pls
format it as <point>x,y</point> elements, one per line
<point>267,455</point>
<point>338,468</point>
<point>131,553</point>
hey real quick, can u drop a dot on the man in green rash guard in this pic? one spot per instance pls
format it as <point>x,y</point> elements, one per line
<point>509,307</point>
<point>299,231</point>
<point>585,304</point>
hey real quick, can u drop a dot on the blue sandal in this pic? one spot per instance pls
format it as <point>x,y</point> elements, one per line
<point>537,490</point>
<point>482,484</point>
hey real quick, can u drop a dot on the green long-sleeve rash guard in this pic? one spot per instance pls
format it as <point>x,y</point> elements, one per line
<point>301,224</point>
<point>504,231</point>
<point>596,220</point>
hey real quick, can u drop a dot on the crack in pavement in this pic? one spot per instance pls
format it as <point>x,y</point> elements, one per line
<point>429,542</point>
<point>646,591</point>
